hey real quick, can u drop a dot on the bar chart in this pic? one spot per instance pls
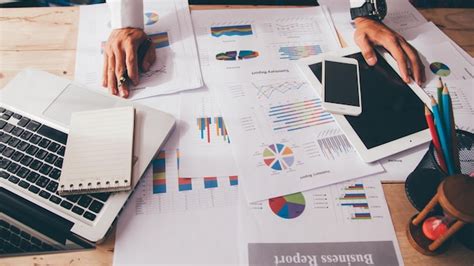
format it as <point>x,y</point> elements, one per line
<point>298,115</point>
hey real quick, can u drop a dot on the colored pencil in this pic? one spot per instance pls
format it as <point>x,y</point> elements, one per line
<point>439,90</point>
<point>446,114</point>
<point>442,136</point>
<point>454,138</point>
<point>434,135</point>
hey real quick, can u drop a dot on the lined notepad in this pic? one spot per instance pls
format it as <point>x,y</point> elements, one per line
<point>99,150</point>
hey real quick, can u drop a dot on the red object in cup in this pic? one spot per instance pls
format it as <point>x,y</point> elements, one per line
<point>434,227</point>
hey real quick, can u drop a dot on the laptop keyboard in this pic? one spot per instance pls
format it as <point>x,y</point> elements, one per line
<point>14,240</point>
<point>31,156</point>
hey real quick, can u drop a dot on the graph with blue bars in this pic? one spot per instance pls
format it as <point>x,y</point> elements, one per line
<point>298,115</point>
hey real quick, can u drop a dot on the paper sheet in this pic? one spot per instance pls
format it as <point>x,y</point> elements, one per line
<point>205,144</point>
<point>283,141</point>
<point>443,60</point>
<point>178,222</point>
<point>94,160</point>
<point>462,98</point>
<point>344,224</point>
<point>229,40</point>
<point>428,34</point>
<point>168,24</point>
<point>401,15</point>
<point>399,166</point>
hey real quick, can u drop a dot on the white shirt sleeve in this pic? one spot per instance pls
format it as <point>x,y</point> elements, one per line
<point>126,13</point>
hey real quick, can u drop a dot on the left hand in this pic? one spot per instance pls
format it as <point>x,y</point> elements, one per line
<point>370,32</point>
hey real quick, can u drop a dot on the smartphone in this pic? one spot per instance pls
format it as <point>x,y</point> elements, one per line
<point>341,86</point>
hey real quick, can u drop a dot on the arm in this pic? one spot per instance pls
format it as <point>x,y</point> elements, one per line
<point>120,56</point>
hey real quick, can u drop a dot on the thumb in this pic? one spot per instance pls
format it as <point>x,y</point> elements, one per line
<point>149,59</point>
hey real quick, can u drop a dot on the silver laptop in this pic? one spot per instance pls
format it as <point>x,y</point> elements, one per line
<point>35,110</point>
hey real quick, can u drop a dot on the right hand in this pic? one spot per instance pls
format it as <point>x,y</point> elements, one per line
<point>120,57</point>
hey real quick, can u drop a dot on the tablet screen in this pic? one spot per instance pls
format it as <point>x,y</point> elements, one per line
<point>390,109</point>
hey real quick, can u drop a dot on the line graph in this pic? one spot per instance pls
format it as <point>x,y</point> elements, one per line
<point>268,90</point>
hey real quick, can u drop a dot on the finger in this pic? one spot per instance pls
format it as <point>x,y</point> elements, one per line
<point>415,62</point>
<point>132,64</point>
<point>120,71</point>
<point>104,71</point>
<point>111,79</point>
<point>149,59</point>
<point>123,89</point>
<point>397,52</point>
<point>366,48</point>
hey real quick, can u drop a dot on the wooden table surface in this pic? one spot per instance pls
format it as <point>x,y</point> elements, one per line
<point>45,38</point>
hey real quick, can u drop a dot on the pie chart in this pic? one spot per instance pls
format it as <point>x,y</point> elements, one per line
<point>151,18</point>
<point>289,206</point>
<point>278,157</point>
<point>440,69</point>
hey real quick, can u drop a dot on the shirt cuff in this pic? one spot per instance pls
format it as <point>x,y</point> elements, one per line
<point>126,14</point>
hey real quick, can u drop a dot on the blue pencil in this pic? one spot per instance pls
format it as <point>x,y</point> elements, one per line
<point>446,113</point>
<point>442,136</point>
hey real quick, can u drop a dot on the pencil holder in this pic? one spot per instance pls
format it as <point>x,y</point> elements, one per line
<point>422,184</point>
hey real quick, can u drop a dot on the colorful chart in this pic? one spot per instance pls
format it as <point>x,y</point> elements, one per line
<point>354,201</point>
<point>298,52</point>
<point>160,40</point>
<point>209,133</point>
<point>159,173</point>
<point>227,56</point>
<point>247,54</point>
<point>150,18</point>
<point>298,115</point>
<point>353,196</point>
<point>362,216</point>
<point>289,206</point>
<point>232,55</point>
<point>234,180</point>
<point>210,182</point>
<point>440,69</point>
<point>278,157</point>
<point>237,30</point>
<point>184,184</point>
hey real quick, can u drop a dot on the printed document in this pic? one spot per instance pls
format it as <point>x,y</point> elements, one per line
<point>168,24</point>
<point>344,224</point>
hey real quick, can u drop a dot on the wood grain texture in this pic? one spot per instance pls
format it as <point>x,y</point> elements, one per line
<point>457,23</point>
<point>45,38</point>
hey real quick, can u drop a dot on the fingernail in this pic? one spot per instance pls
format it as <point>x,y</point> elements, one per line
<point>146,66</point>
<point>123,94</point>
<point>371,61</point>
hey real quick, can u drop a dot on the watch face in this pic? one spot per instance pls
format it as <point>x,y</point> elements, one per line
<point>381,7</point>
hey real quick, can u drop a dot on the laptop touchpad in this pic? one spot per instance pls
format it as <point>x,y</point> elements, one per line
<point>76,99</point>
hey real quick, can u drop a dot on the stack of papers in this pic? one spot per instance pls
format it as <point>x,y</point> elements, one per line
<point>237,183</point>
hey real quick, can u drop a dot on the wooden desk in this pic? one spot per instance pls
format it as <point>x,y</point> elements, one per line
<point>45,38</point>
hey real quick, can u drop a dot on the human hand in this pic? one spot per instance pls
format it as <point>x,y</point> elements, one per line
<point>370,32</point>
<point>121,60</point>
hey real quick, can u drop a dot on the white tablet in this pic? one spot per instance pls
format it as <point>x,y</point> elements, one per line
<point>392,118</point>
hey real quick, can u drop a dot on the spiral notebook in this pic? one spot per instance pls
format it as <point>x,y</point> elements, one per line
<point>99,150</point>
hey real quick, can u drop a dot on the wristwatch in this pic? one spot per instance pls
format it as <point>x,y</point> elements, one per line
<point>374,9</point>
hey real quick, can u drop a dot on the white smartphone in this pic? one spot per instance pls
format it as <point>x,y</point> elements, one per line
<point>341,86</point>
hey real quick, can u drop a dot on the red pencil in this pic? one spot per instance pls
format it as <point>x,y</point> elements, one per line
<point>434,135</point>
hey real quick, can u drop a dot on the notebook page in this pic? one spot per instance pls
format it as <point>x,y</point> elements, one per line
<point>99,152</point>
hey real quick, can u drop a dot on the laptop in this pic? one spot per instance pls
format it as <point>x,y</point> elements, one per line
<point>35,111</point>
